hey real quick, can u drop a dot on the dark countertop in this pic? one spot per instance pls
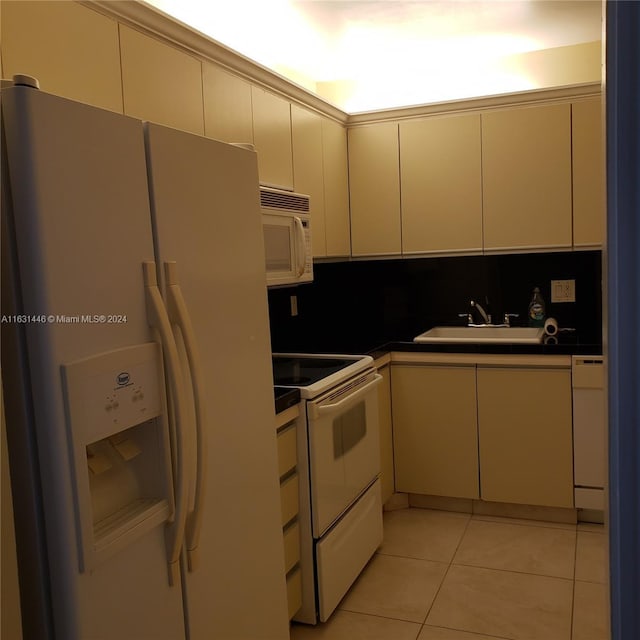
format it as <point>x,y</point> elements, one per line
<point>285,397</point>
<point>565,345</point>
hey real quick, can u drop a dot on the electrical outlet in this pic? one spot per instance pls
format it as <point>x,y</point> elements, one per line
<point>563,291</point>
<point>294,305</point>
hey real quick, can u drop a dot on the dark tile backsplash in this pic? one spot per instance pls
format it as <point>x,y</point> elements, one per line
<point>356,306</point>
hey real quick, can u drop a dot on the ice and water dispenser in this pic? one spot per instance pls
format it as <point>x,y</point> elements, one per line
<point>116,414</point>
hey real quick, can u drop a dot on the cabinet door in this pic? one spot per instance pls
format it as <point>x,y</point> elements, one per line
<point>336,188</point>
<point>374,190</point>
<point>435,430</point>
<point>227,106</point>
<point>272,137</point>
<point>526,178</point>
<point>306,138</point>
<point>441,184</point>
<point>524,432</point>
<point>589,204</point>
<point>386,434</point>
<point>160,83</point>
<point>71,50</point>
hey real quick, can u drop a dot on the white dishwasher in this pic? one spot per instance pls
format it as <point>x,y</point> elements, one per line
<point>589,432</point>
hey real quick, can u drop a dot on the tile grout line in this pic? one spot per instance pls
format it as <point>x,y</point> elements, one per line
<point>521,573</point>
<point>446,573</point>
<point>539,524</point>
<point>573,592</point>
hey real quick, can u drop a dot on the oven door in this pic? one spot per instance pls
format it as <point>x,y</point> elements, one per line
<point>344,447</point>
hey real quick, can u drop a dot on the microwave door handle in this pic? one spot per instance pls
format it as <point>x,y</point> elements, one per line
<point>301,251</point>
<point>323,410</point>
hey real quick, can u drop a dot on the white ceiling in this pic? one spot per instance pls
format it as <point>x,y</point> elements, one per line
<point>389,53</point>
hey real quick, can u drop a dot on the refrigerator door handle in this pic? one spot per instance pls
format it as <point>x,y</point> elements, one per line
<point>159,320</point>
<point>179,316</point>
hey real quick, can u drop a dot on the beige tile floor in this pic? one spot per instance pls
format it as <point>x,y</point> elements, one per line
<point>449,576</point>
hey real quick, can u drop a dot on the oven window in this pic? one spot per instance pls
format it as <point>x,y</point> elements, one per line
<point>277,247</point>
<point>349,429</point>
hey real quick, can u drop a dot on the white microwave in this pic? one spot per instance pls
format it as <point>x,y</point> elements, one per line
<point>286,223</point>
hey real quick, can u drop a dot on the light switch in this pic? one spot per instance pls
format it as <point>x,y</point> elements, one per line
<point>563,291</point>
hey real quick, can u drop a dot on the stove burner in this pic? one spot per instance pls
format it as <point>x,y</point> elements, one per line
<point>295,380</point>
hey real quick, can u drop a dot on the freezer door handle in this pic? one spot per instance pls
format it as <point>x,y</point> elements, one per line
<point>179,317</point>
<point>158,319</point>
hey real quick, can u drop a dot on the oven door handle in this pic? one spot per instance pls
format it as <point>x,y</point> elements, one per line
<point>323,410</point>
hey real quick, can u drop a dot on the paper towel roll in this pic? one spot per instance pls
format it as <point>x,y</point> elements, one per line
<point>551,326</point>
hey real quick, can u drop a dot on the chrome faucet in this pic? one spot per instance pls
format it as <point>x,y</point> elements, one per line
<point>507,318</point>
<point>485,316</point>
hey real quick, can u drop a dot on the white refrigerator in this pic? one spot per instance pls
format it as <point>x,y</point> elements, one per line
<point>137,379</point>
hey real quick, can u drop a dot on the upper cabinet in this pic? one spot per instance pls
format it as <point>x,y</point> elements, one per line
<point>526,178</point>
<point>374,188</point>
<point>272,138</point>
<point>336,189</point>
<point>320,170</point>
<point>227,105</point>
<point>160,83</point>
<point>489,176</point>
<point>589,202</point>
<point>441,185</point>
<point>306,136</point>
<point>72,50</point>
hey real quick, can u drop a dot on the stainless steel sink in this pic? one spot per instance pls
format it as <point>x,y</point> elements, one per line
<point>485,334</point>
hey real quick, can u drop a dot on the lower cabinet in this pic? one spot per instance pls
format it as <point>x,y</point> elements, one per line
<point>525,436</point>
<point>435,434</point>
<point>286,425</point>
<point>497,433</point>
<point>386,434</point>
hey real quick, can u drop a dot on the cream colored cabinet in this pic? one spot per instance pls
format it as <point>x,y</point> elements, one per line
<point>441,185</point>
<point>589,203</point>
<point>272,138</point>
<point>320,170</point>
<point>337,225</point>
<point>526,178</point>
<point>71,49</point>
<point>434,430</point>
<point>308,170</point>
<point>160,83</point>
<point>374,189</point>
<point>386,434</point>
<point>286,427</point>
<point>525,435</point>
<point>227,105</point>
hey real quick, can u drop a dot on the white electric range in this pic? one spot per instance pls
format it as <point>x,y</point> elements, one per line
<point>340,506</point>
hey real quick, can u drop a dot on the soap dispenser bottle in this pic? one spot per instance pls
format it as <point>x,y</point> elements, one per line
<point>536,309</point>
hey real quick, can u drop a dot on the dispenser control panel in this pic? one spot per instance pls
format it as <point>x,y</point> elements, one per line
<point>115,390</point>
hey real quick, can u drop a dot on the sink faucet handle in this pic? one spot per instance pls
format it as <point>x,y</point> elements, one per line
<point>483,314</point>
<point>508,316</point>
<point>468,316</point>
